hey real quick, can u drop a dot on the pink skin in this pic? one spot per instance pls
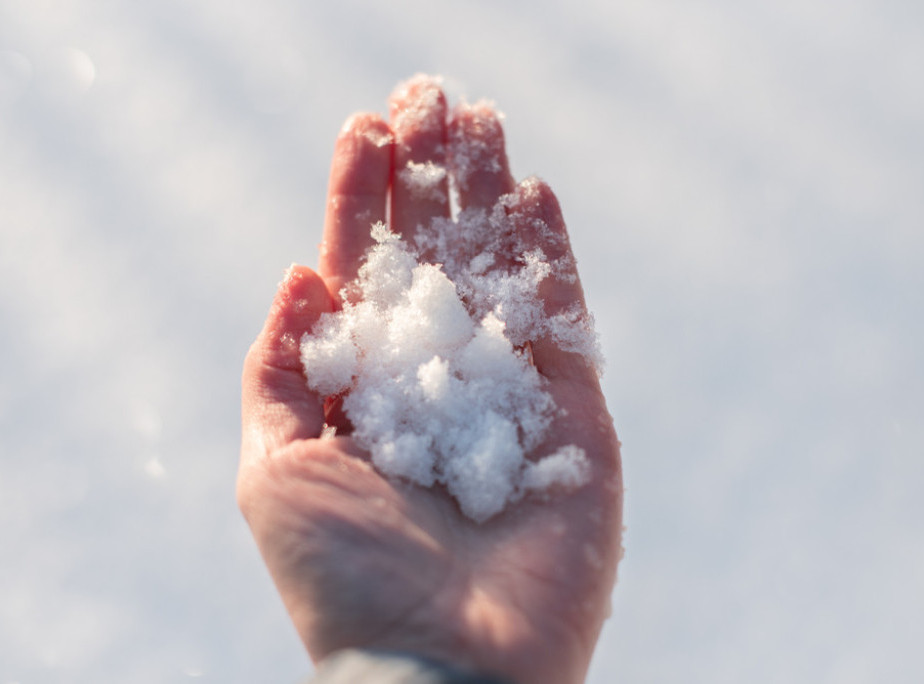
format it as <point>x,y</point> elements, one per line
<point>364,561</point>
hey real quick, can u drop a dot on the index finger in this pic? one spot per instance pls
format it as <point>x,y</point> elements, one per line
<point>276,405</point>
<point>356,197</point>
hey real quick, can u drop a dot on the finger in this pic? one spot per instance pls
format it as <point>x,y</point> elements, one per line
<point>356,198</point>
<point>420,189</point>
<point>567,350</point>
<point>277,406</point>
<point>477,157</point>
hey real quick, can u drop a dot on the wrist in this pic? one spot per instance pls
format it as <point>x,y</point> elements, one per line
<point>395,667</point>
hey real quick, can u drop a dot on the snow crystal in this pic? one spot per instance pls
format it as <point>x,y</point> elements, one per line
<point>567,466</point>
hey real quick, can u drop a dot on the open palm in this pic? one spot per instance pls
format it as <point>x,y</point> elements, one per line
<point>365,561</point>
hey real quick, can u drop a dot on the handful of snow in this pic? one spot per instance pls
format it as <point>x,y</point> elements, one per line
<point>425,354</point>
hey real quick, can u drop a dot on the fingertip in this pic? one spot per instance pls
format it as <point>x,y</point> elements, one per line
<point>362,157</point>
<point>534,203</point>
<point>477,154</point>
<point>369,127</point>
<point>418,106</point>
<point>301,298</point>
<point>304,286</point>
<point>360,119</point>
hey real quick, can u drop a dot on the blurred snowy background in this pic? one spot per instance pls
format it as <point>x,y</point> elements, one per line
<point>744,183</point>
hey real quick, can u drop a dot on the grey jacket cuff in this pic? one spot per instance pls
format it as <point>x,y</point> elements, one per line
<point>353,666</point>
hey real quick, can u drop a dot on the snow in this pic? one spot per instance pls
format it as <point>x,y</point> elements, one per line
<point>424,180</point>
<point>436,388</point>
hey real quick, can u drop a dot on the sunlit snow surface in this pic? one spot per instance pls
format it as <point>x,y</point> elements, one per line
<point>742,184</point>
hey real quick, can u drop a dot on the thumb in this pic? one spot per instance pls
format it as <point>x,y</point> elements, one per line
<point>277,407</point>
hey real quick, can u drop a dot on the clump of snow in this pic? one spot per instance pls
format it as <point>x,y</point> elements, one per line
<point>433,383</point>
<point>424,180</point>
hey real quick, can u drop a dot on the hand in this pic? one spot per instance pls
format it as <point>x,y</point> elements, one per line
<point>364,561</point>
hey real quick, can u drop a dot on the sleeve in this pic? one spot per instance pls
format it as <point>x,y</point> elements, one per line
<point>354,666</point>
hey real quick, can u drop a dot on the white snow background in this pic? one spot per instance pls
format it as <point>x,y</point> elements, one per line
<point>744,185</point>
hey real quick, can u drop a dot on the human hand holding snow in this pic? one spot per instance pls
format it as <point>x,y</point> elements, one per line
<point>509,574</point>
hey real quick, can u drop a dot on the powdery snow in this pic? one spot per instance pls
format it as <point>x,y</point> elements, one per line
<point>434,387</point>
